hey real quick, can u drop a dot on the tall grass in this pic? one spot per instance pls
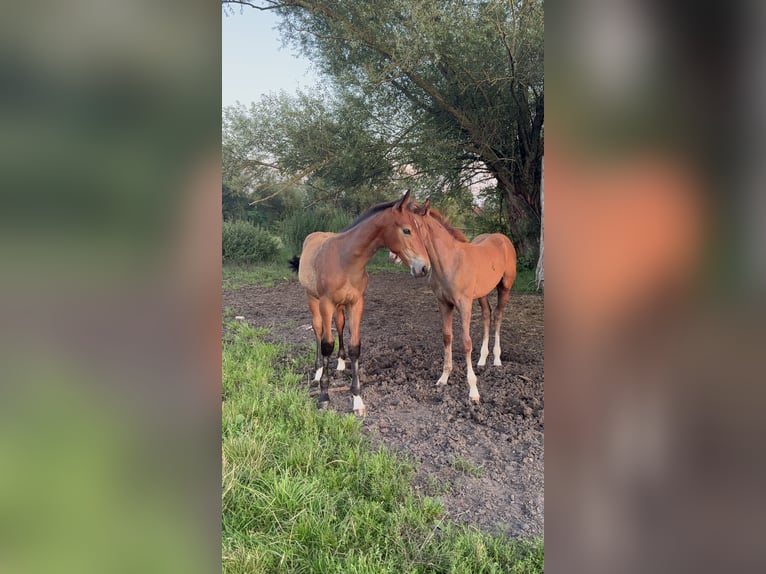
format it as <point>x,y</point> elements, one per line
<point>304,491</point>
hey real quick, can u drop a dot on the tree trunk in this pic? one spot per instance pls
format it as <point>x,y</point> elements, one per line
<point>523,217</point>
<point>522,225</point>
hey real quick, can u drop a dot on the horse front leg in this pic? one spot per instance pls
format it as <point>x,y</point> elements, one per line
<point>486,314</point>
<point>464,307</point>
<point>354,350</point>
<point>326,309</point>
<point>446,310</point>
<point>340,324</point>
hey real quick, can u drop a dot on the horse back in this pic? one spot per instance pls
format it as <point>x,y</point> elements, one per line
<point>499,248</point>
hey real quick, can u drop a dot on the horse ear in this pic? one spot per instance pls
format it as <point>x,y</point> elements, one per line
<point>403,201</point>
<point>427,207</point>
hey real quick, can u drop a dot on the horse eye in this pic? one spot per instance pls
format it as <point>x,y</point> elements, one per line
<point>406,231</point>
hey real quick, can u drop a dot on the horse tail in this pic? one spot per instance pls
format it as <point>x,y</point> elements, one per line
<point>294,263</point>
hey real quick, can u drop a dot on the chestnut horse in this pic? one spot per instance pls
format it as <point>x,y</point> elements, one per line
<point>462,272</point>
<point>332,270</point>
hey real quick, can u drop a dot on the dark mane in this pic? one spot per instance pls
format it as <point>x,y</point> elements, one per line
<point>369,213</point>
<point>438,216</point>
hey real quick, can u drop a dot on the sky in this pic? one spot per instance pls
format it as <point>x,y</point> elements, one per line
<point>254,62</point>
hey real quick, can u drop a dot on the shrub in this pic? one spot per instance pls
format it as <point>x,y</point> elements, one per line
<point>296,226</point>
<point>245,243</point>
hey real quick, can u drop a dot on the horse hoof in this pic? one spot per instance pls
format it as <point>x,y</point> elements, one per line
<point>322,405</point>
<point>360,412</point>
<point>497,363</point>
<point>475,399</point>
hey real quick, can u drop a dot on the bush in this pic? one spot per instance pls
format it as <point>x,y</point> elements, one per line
<point>296,226</point>
<point>245,243</point>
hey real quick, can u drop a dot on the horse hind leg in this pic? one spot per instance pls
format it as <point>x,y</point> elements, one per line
<point>486,313</point>
<point>316,324</point>
<point>503,292</point>
<point>327,346</point>
<point>340,324</point>
<point>465,314</point>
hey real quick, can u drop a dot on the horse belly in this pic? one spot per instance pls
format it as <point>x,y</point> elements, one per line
<point>486,280</point>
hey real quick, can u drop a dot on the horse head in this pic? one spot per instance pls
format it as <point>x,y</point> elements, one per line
<point>403,236</point>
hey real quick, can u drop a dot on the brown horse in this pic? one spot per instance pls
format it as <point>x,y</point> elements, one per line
<point>462,272</point>
<point>332,271</point>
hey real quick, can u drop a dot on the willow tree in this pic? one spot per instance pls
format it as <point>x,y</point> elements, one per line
<point>456,85</point>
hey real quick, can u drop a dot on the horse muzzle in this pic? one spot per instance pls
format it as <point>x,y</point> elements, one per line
<point>419,269</point>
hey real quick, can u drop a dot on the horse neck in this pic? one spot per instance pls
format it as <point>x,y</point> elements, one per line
<point>360,243</point>
<point>442,258</point>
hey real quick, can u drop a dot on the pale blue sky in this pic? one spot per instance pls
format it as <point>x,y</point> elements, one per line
<point>254,62</point>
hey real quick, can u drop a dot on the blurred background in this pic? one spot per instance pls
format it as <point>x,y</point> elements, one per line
<point>654,318</point>
<point>109,286</point>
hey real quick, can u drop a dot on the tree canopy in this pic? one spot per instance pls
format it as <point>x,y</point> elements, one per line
<point>444,92</point>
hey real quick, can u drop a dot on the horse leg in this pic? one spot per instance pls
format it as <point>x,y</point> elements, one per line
<point>354,350</point>
<point>340,324</point>
<point>326,309</point>
<point>486,313</point>
<point>446,312</point>
<point>464,308</point>
<point>316,324</point>
<point>503,293</point>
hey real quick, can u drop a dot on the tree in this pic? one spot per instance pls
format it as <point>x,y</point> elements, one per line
<point>453,87</point>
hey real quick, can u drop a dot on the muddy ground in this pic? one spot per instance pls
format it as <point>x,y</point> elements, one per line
<point>485,461</point>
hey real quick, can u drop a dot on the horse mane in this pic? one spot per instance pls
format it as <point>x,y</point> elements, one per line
<point>439,216</point>
<point>369,213</point>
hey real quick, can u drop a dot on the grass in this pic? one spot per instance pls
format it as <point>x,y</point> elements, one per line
<point>304,490</point>
<point>525,281</point>
<point>263,275</point>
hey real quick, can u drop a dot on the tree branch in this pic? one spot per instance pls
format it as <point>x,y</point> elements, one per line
<point>293,180</point>
<point>251,4</point>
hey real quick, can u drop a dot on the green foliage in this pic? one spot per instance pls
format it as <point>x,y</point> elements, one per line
<point>456,88</point>
<point>245,243</point>
<point>525,280</point>
<point>233,203</point>
<point>303,490</point>
<point>298,224</point>
<point>278,200</point>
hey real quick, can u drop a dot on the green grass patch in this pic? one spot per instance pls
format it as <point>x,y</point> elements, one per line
<point>525,281</point>
<point>304,490</point>
<point>264,275</point>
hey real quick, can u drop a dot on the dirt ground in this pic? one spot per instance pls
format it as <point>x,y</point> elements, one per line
<point>485,462</point>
